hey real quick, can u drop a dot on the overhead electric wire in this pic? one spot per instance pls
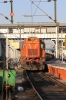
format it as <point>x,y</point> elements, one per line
<point>36,8</point>
<point>31,17</point>
<point>27,10</point>
<point>34,12</point>
<point>44,0</point>
<point>5,17</point>
<point>42,11</point>
<point>4,1</point>
<point>31,13</point>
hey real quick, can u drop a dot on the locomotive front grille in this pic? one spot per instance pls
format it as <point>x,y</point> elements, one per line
<point>32,52</point>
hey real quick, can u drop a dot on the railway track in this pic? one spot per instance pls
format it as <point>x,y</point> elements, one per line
<point>46,87</point>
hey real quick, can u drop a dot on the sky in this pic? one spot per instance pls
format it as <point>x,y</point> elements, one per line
<point>49,43</point>
<point>25,7</point>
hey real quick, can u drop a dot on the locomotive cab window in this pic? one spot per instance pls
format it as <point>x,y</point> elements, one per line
<point>31,38</point>
<point>42,45</point>
<point>22,46</point>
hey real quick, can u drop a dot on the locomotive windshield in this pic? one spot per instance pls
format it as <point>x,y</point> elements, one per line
<point>31,38</point>
<point>42,46</point>
<point>22,46</point>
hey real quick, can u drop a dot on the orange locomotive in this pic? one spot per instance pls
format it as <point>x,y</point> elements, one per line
<point>32,51</point>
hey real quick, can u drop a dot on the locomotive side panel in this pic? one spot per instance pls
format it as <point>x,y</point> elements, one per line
<point>22,52</point>
<point>23,49</point>
<point>43,55</point>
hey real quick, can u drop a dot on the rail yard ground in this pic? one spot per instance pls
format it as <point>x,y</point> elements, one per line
<point>27,92</point>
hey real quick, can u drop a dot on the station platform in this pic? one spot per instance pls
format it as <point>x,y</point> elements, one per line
<point>58,69</point>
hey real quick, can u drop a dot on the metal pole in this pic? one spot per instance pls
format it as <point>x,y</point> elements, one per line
<point>6,65</point>
<point>62,50</point>
<point>55,19</point>
<point>3,69</point>
<point>20,34</point>
<point>56,43</point>
<point>55,11</point>
<point>11,10</point>
<point>62,45</point>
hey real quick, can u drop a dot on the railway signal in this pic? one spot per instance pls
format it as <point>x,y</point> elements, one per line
<point>11,14</point>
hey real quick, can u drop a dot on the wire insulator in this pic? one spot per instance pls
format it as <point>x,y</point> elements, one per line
<point>5,1</point>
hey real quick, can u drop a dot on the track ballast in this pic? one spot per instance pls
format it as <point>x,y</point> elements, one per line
<point>46,87</point>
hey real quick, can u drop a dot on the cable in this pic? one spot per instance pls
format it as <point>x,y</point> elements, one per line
<point>34,12</point>
<point>36,8</point>
<point>31,12</point>
<point>27,10</point>
<point>42,11</point>
<point>43,1</point>
<point>4,2</point>
<point>5,17</point>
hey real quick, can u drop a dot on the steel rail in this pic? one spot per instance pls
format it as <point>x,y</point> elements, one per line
<point>50,78</point>
<point>56,81</point>
<point>34,87</point>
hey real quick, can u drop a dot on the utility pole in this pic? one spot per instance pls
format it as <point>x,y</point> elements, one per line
<point>12,14</point>
<point>55,10</point>
<point>57,27</point>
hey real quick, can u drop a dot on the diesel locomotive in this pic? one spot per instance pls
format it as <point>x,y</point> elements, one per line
<point>32,51</point>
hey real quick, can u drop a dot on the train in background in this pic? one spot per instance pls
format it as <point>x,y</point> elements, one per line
<point>50,57</point>
<point>7,74</point>
<point>32,53</point>
<point>2,52</point>
<point>12,52</point>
